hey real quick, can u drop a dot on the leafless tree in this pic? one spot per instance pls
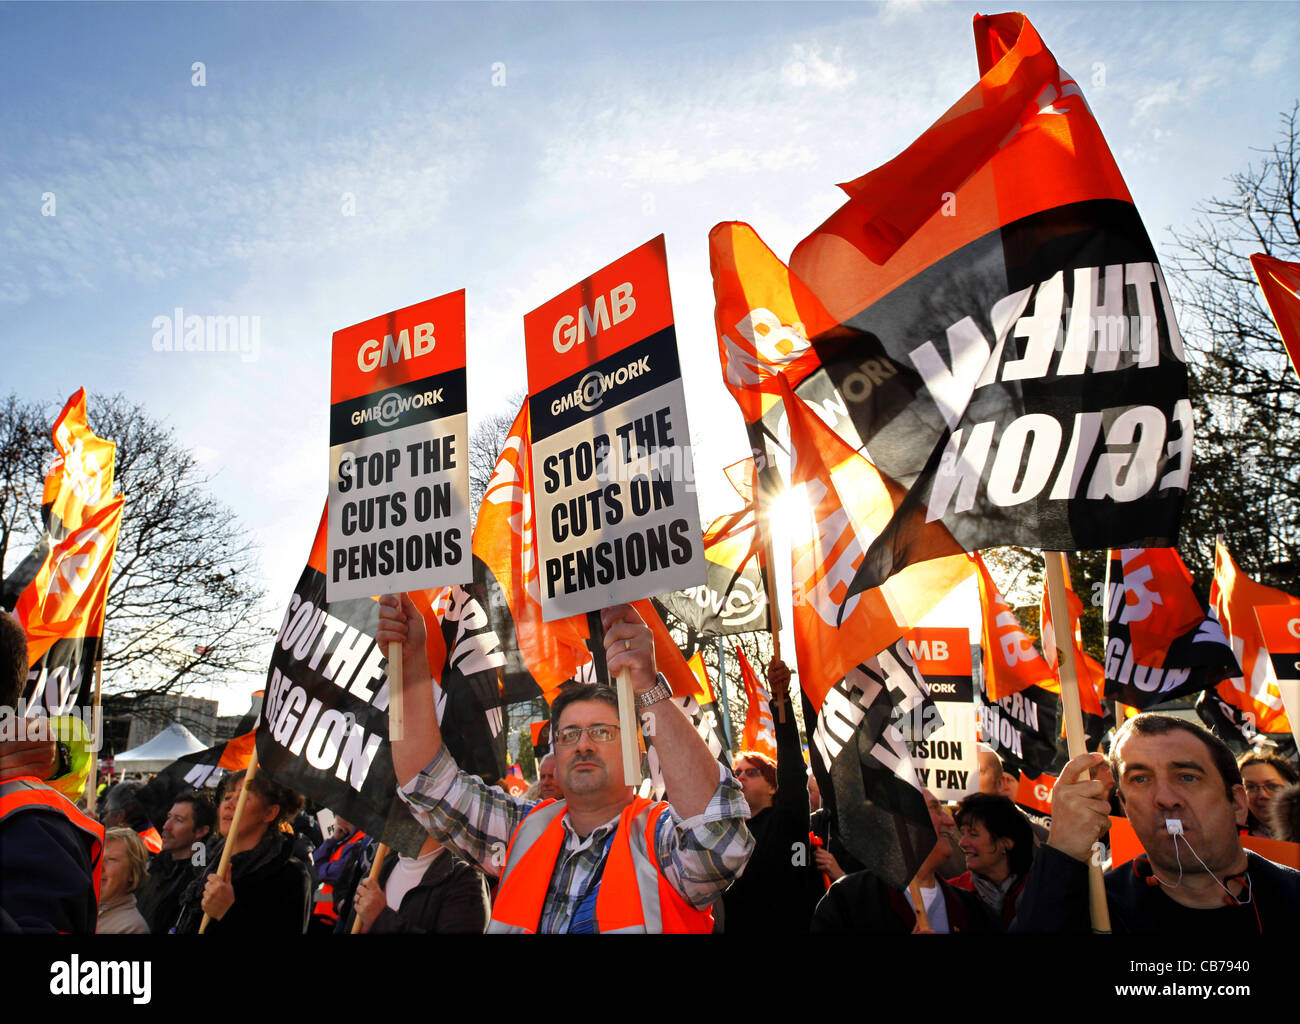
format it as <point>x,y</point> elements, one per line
<point>184,596</point>
<point>1246,476</point>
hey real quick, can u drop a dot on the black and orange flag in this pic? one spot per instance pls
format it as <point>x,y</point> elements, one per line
<point>1234,598</point>
<point>1280,282</point>
<point>78,483</point>
<point>1161,642</point>
<point>1032,386</point>
<point>62,612</point>
<point>847,503</point>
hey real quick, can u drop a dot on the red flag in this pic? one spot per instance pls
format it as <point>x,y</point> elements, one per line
<point>1011,661</point>
<point>1234,597</point>
<point>760,735</point>
<point>847,502</point>
<point>1280,282</point>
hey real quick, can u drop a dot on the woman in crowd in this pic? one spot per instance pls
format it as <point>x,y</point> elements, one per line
<point>436,893</point>
<point>999,846</point>
<point>269,888</point>
<point>126,866</point>
<point>1264,776</point>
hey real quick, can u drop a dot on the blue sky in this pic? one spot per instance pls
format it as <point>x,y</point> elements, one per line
<point>614,123</point>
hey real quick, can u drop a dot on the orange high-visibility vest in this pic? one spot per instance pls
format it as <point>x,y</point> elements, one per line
<point>633,895</point>
<point>324,907</point>
<point>28,794</point>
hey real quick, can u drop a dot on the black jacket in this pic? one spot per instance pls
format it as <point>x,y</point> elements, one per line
<point>1056,900</point>
<point>159,899</point>
<point>272,890</point>
<point>450,899</point>
<point>862,903</point>
<point>776,891</point>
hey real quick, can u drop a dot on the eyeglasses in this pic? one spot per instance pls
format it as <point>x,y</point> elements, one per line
<point>570,734</point>
<point>1253,788</point>
<point>747,773</point>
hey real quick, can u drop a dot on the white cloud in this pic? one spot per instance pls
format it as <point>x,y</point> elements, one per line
<point>807,66</point>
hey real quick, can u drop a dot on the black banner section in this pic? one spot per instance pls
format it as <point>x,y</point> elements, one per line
<point>1238,731</point>
<point>64,678</point>
<point>1023,728</point>
<point>855,750</point>
<point>628,374</point>
<point>324,725</point>
<point>1032,391</point>
<point>406,405</point>
<point>1198,660</point>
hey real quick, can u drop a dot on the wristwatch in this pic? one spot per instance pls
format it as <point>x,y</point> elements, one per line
<point>660,691</point>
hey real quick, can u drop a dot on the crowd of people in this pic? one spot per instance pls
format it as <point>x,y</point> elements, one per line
<point>740,849</point>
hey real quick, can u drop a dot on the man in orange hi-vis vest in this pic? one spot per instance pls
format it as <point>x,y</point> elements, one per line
<point>601,859</point>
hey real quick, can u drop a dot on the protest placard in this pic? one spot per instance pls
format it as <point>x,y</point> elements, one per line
<point>614,503</point>
<point>946,759</point>
<point>399,470</point>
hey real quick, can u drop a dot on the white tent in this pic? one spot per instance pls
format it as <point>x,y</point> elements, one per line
<point>156,754</point>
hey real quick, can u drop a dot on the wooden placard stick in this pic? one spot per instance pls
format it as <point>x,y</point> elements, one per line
<point>223,865</point>
<point>918,904</point>
<point>628,730</point>
<point>396,705</point>
<point>1075,739</point>
<point>380,854</point>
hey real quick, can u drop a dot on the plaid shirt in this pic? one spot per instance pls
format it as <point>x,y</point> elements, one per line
<point>699,856</point>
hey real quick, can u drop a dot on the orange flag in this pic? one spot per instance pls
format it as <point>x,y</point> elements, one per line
<point>1281,284</point>
<point>1088,671</point>
<point>1011,661</point>
<point>760,735</point>
<point>1234,597</point>
<point>505,542</point>
<point>848,502</point>
<point>68,596</point>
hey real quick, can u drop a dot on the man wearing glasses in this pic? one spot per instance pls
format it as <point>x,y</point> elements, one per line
<point>600,859</point>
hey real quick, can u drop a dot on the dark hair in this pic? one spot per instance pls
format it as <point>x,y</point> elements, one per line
<point>1003,820</point>
<point>1285,812</point>
<point>125,797</point>
<point>271,792</point>
<point>13,660</point>
<point>572,693</point>
<point>1279,764</point>
<point>202,808</point>
<point>1151,724</point>
<point>765,765</point>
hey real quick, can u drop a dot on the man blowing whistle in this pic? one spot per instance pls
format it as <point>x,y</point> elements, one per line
<point>600,859</point>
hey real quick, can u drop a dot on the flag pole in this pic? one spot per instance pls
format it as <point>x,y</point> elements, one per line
<point>769,584</point>
<point>628,725</point>
<point>223,865</point>
<point>92,783</point>
<point>1075,739</point>
<point>380,854</point>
